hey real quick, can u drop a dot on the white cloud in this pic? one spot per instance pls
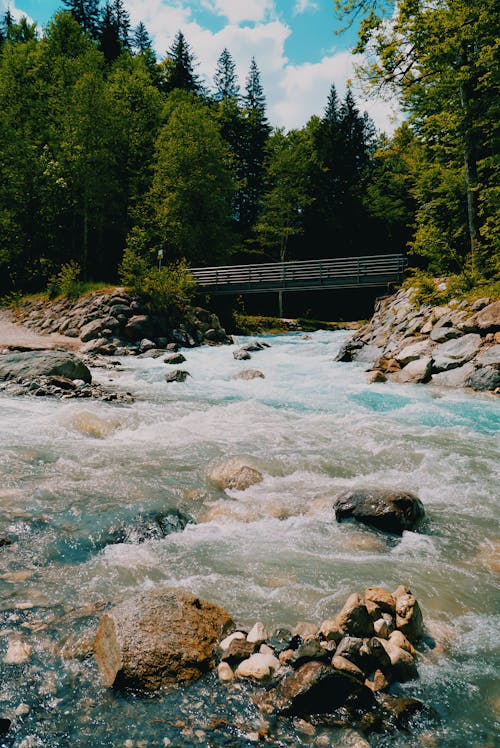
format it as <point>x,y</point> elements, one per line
<point>17,13</point>
<point>302,6</point>
<point>237,11</point>
<point>294,92</point>
<point>303,91</point>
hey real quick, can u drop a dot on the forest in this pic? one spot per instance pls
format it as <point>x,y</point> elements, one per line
<point>109,154</point>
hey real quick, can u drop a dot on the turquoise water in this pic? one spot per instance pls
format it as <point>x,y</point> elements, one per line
<point>69,470</point>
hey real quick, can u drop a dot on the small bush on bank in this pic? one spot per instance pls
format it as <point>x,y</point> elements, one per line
<point>437,291</point>
<point>169,290</point>
<point>65,282</point>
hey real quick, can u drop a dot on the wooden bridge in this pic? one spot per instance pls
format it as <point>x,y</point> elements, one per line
<point>307,275</point>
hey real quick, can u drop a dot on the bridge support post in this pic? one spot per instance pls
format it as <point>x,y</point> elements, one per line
<point>280,304</point>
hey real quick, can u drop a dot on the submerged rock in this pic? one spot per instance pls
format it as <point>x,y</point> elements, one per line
<point>178,375</point>
<point>249,374</point>
<point>235,474</point>
<point>386,510</point>
<point>174,358</point>
<point>159,638</point>
<point>241,355</point>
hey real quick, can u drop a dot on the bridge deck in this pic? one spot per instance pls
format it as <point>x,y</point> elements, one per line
<point>342,272</point>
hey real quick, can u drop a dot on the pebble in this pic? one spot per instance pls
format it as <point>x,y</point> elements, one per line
<point>17,652</point>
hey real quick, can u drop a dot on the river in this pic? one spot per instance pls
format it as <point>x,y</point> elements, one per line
<point>70,469</point>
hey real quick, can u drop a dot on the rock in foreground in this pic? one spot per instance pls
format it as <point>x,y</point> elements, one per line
<point>158,638</point>
<point>28,365</point>
<point>389,511</point>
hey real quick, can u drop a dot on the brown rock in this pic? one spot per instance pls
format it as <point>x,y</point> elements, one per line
<point>248,374</point>
<point>238,650</point>
<point>379,682</point>
<point>346,666</point>
<point>376,376</point>
<point>157,638</point>
<point>235,474</point>
<point>409,617</point>
<point>316,688</point>
<point>354,619</point>
<point>381,597</point>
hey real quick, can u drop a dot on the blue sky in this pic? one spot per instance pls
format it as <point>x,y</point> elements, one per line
<point>293,41</point>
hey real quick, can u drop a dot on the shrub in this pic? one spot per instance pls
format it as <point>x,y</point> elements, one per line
<point>169,290</point>
<point>65,282</point>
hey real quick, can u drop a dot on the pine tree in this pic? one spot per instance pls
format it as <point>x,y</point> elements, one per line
<point>141,40</point>
<point>122,20</point>
<point>109,36</point>
<point>86,13</point>
<point>179,67</point>
<point>225,79</point>
<point>256,134</point>
<point>254,98</point>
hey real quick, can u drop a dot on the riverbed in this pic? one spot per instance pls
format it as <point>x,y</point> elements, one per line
<point>71,469</point>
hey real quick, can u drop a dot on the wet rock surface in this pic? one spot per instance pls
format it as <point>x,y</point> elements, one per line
<point>389,511</point>
<point>340,682</point>
<point>451,346</point>
<point>159,638</point>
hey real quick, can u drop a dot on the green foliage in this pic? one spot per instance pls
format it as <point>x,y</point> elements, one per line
<point>426,289</point>
<point>169,290</point>
<point>65,282</point>
<point>187,211</point>
<point>441,60</point>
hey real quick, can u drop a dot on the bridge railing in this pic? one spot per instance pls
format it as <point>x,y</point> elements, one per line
<point>289,273</point>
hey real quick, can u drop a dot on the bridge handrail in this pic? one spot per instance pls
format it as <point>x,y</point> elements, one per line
<point>300,270</point>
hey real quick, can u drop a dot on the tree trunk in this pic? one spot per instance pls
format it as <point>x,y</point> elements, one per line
<point>470,164</point>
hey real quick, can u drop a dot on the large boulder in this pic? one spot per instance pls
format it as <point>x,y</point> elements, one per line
<point>487,320</point>
<point>140,326</point>
<point>159,638</point>
<point>456,352</point>
<point>32,364</point>
<point>454,377</point>
<point>386,510</point>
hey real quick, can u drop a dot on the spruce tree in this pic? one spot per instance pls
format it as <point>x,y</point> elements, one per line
<point>179,67</point>
<point>86,13</point>
<point>141,40</point>
<point>256,134</point>
<point>122,20</point>
<point>225,79</point>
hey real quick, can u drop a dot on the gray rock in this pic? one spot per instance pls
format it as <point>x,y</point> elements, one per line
<point>441,334</point>
<point>453,377</point>
<point>174,358</point>
<point>414,372</point>
<point>368,354</point>
<point>32,364</point>
<point>456,352</point>
<point>412,352</point>
<point>485,378</point>
<point>92,330</point>
<point>157,638</point>
<point>386,510</point>
<point>140,326</point>
<point>489,356</point>
<point>488,319</point>
<point>177,375</point>
<point>241,355</point>
<point>247,374</point>
<point>146,345</point>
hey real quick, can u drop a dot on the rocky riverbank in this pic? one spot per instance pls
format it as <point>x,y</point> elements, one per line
<point>455,345</point>
<point>96,325</point>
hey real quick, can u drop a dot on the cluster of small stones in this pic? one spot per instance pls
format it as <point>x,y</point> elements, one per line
<point>118,324</point>
<point>337,673</point>
<point>63,388</point>
<point>457,345</point>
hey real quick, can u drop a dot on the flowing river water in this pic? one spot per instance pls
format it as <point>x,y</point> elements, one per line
<point>71,469</point>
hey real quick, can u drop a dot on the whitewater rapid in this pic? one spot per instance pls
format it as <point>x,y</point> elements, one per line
<point>274,552</point>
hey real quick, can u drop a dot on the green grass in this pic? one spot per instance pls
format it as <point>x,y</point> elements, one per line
<point>246,324</point>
